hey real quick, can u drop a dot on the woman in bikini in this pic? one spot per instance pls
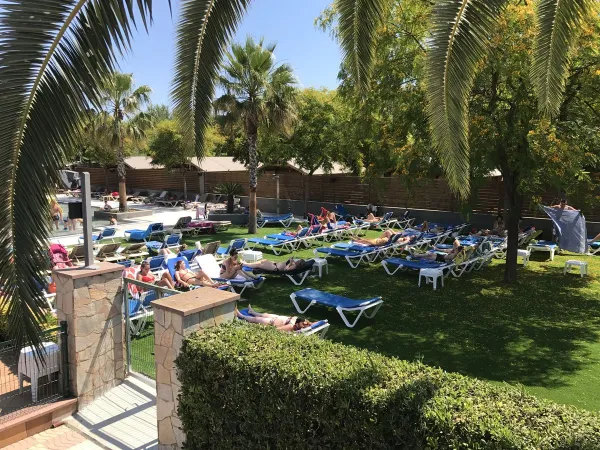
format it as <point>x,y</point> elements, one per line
<point>283,323</point>
<point>231,268</point>
<point>187,278</point>
<point>281,266</point>
<point>148,277</point>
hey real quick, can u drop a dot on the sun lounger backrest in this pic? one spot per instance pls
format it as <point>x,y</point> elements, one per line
<point>209,265</point>
<point>171,265</point>
<point>108,249</point>
<point>211,248</point>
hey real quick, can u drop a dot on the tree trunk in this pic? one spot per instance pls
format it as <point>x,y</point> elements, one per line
<point>121,172</point>
<point>106,180</point>
<point>306,192</point>
<point>252,133</point>
<point>514,203</point>
<point>230,204</point>
<point>184,187</point>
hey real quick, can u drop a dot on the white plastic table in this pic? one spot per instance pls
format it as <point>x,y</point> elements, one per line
<point>319,264</point>
<point>29,368</point>
<point>583,266</point>
<point>431,276</point>
<point>525,254</point>
<point>250,256</point>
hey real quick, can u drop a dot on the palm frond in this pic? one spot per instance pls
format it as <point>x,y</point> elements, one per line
<point>557,24</point>
<point>460,30</point>
<point>358,24</point>
<point>205,28</point>
<point>54,53</point>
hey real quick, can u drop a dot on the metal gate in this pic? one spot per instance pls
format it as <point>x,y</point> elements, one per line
<point>139,324</point>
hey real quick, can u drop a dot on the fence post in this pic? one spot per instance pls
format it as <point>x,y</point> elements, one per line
<point>64,351</point>
<point>127,329</point>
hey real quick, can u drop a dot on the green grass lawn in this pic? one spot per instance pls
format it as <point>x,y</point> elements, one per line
<point>543,333</point>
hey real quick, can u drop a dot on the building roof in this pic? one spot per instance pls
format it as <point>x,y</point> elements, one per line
<point>141,162</point>
<point>337,168</point>
<point>208,164</point>
<point>218,164</point>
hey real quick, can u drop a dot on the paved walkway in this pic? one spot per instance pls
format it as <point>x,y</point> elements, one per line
<point>60,438</point>
<point>124,418</point>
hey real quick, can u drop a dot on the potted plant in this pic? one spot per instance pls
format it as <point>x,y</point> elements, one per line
<point>230,189</point>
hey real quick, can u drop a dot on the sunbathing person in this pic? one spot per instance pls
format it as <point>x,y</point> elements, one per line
<point>148,277</point>
<point>231,268</point>
<point>371,218</point>
<point>283,323</point>
<point>281,266</point>
<point>385,238</point>
<point>186,278</point>
<point>449,255</point>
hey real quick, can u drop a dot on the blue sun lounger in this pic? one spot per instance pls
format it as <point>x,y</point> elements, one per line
<point>144,235</point>
<point>353,257</point>
<point>545,246</point>
<point>341,304</point>
<point>319,327</point>
<point>284,219</point>
<point>275,245</point>
<point>415,264</point>
<point>210,267</point>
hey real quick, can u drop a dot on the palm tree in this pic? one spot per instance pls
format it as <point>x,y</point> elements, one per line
<point>55,57</point>
<point>123,103</point>
<point>258,92</point>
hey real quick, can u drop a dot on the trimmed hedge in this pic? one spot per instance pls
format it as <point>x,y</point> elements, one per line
<point>252,387</point>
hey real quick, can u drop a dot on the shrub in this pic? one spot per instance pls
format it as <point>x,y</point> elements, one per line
<point>247,386</point>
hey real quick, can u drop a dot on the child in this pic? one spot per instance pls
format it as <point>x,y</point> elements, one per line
<point>198,211</point>
<point>113,221</point>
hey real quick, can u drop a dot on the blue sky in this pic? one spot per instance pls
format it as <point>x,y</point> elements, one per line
<point>312,53</point>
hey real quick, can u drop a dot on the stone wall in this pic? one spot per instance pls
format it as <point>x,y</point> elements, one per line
<point>175,318</point>
<point>90,300</point>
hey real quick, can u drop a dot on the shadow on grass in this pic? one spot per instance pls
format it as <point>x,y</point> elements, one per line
<point>538,332</point>
<point>535,333</point>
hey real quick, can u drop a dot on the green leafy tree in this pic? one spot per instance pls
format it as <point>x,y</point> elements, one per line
<point>315,141</point>
<point>166,148</point>
<point>258,92</point>
<point>459,42</point>
<point>123,102</point>
<point>159,113</point>
<point>54,75</point>
<point>533,153</point>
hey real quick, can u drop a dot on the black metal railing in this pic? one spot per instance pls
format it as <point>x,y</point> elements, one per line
<point>31,377</point>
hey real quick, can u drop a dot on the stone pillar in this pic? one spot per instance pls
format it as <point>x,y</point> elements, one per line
<point>174,319</point>
<point>90,300</point>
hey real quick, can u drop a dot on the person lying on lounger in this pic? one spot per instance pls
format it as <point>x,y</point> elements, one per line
<point>281,266</point>
<point>147,277</point>
<point>186,278</point>
<point>449,255</point>
<point>384,239</point>
<point>231,268</point>
<point>283,323</point>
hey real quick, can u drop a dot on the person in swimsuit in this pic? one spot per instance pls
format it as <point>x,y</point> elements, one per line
<point>281,266</point>
<point>56,212</point>
<point>187,278</point>
<point>231,268</point>
<point>384,239</point>
<point>283,323</point>
<point>449,255</point>
<point>147,277</point>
